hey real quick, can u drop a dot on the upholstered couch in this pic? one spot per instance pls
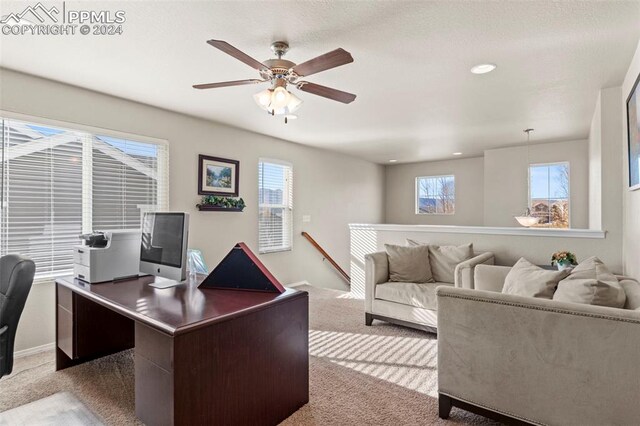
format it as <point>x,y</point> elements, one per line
<point>406,303</point>
<point>538,360</point>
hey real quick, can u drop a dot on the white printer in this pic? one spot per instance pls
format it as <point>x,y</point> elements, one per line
<point>107,256</point>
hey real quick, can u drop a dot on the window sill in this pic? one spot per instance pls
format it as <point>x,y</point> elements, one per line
<point>280,250</point>
<point>485,230</point>
<point>43,281</point>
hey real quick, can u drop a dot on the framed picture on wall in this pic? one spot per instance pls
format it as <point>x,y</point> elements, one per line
<point>633,129</point>
<point>218,176</point>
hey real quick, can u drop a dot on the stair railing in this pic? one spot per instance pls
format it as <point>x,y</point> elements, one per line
<point>326,256</point>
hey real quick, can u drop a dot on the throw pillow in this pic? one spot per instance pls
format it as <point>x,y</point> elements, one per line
<point>591,283</point>
<point>409,264</point>
<point>444,259</point>
<point>527,279</point>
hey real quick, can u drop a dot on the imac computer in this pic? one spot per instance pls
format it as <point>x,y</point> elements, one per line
<point>163,250</point>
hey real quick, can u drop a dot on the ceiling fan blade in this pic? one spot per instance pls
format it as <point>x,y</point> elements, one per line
<point>333,59</point>
<point>239,55</point>
<point>326,92</point>
<point>227,84</point>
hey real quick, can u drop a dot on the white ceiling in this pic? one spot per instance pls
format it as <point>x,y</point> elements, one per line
<point>416,100</point>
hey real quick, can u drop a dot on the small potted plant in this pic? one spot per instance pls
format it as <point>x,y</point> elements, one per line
<point>214,203</point>
<point>563,260</point>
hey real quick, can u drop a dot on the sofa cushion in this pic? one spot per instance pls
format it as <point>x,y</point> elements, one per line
<point>413,294</point>
<point>591,283</point>
<point>444,259</point>
<point>409,264</point>
<point>527,279</point>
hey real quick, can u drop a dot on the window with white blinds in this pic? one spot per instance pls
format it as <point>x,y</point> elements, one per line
<point>275,199</point>
<point>56,183</point>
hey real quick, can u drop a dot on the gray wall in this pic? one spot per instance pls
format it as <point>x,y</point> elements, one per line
<point>612,170</point>
<point>595,168</point>
<point>506,181</point>
<point>333,189</point>
<point>631,208</point>
<point>490,190</point>
<point>401,192</point>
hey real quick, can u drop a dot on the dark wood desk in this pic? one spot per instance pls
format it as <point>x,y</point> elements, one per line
<point>201,356</point>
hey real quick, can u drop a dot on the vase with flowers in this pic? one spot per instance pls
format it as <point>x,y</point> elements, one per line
<point>563,260</point>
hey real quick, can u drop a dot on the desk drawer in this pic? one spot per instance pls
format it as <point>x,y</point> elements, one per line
<point>65,332</point>
<point>65,298</point>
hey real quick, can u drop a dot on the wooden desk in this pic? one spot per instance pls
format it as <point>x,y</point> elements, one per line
<point>201,356</point>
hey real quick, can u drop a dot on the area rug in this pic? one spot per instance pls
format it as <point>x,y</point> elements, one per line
<point>60,409</point>
<point>382,375</point>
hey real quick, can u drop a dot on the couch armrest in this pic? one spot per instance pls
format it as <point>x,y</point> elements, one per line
<point>539,360</point>
<point>464,271</point>
<point>490,277</point>
<point>376,271</point>
<point>624,277</point>
<point>632,290</point>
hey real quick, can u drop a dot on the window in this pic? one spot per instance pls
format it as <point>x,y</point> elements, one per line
<point>57,183</point>
<point>275,193</point>
<point>549,194</point>
<point>436,195</point>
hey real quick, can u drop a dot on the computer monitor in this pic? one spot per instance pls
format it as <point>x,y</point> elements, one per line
<point>163,249</point>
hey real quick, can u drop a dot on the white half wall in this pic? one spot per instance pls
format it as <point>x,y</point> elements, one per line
<point>400,195</point>
<point>332,188</point>
<point>508,244</point>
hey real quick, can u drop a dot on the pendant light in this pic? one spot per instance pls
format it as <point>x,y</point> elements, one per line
<point>527,220</point>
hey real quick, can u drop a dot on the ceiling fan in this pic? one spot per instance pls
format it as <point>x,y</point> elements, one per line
<point>277,100</point>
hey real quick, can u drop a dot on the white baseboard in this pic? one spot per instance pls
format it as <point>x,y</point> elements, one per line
<point>298,284</point>
<point>34,350</point>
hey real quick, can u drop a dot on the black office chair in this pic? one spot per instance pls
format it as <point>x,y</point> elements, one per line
<point>16,278</point>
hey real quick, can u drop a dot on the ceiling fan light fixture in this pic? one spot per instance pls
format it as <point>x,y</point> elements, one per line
<point>280,98</point>
<point>263,99</point>
<point>277,100</point>
<point>294,103</point>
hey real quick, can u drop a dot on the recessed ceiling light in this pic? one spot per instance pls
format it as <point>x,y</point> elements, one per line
<point>393,161</point>
<point>483,68</point>
<point>457,153</point>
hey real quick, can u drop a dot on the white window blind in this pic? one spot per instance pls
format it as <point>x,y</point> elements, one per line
<point>275,193</point>
<point>57,183</point>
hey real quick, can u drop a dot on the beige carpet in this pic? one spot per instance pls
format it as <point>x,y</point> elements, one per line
<point>382,375</point>
<point>59,409</point>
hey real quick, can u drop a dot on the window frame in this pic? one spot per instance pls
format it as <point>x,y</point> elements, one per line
<point>287,195</point>
<point>530,199</point>
<point>416,195</point>
<point>87,196</point>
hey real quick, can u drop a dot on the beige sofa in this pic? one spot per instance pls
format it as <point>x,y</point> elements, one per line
<point>409,304</point>
<point>537,360</point>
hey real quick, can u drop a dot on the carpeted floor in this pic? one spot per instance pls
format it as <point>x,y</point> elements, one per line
<point>382,375</point>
